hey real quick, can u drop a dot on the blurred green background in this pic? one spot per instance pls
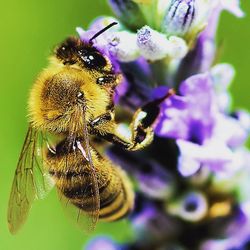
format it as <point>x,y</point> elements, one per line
<point>29,31</point>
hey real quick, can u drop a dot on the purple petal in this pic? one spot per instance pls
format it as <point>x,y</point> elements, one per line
<point>229,130</point>
<point>187,166</point>
<point>159,92</point>
<point>192,115</point>
<point>173,121</point>
<point>214,154</point>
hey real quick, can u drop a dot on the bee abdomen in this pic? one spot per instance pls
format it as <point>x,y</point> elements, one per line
<point>116,197</point>
<point>117,208</point>
<point>75,182</point>
<point>72,185</point>
<point>120,204</point>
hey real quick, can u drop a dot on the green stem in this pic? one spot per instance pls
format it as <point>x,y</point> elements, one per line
<point>160,73</point>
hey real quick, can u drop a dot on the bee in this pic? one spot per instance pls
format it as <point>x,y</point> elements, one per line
<point>72,101</point>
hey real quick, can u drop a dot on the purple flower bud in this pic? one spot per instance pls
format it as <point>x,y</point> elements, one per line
<point>180,16</point>
<point>152,44</point>
<point>122,45</point>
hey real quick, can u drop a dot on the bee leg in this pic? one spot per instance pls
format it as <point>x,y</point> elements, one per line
<point>142,134</point>
<point>141,126</point>
<point>105,127</point>
<point>143,121</point>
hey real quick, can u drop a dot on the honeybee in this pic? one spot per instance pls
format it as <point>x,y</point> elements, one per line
<point>72,101</point>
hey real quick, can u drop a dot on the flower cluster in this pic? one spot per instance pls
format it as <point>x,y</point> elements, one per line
<point>193,180</point>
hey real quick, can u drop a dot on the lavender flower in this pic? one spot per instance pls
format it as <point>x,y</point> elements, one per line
<point>205,135</point>
<point>192,182</point>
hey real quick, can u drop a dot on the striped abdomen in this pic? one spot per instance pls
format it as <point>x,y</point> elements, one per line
<point>72,176</point>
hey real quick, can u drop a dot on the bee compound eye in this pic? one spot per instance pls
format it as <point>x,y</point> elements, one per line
<point>92,59</point>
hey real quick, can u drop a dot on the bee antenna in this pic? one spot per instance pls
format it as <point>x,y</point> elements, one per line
<point>102,31</point>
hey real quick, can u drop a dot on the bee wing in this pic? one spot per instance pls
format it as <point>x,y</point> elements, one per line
<point>93,178</point>
<point>85,215</point>
<point>30,181</point>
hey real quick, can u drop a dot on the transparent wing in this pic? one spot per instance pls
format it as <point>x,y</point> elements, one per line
<point>83,205</point>
<point>30,182</point>
<point>94,187</point>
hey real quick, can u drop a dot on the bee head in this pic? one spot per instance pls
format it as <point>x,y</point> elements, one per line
<point>75,52</point>
<point>83,53</point>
